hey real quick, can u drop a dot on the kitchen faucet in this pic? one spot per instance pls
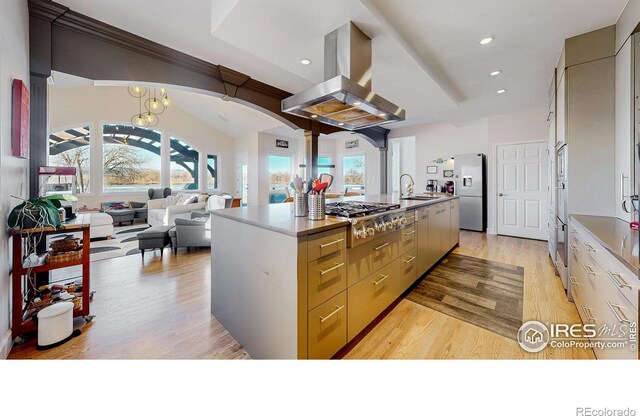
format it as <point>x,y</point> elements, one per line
<point>410,186</point>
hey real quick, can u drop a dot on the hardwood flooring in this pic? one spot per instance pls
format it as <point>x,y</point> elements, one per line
<point>413,331</point>
<point>159,310</point>
<point>481,292</point>
<point>162,310</point>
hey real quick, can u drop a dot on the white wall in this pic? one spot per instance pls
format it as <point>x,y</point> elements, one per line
<point>14,64</point>
<point>444,140</point>
<point>627,22</point>
<point>75,106</point>
<point>266,147</point>
<point>372,162</point>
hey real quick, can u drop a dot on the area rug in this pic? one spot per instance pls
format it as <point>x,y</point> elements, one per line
<point>124,242</point>
<point>484,293</point>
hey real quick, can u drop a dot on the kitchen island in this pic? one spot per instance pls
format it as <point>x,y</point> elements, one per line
<point>289,287</point>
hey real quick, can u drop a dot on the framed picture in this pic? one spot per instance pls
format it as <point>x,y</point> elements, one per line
<point>447,173</point>
<point>432,169</point>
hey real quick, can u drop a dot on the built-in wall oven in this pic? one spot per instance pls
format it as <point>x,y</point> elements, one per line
<point>562,215</point>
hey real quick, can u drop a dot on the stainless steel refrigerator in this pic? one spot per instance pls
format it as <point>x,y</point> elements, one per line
<point>470,185</point>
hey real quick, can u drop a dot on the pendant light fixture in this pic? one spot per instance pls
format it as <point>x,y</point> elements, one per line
<point>139,120</point>
<point>154,105</point>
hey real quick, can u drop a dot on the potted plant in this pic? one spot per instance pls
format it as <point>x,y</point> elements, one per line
<point>38,212</point>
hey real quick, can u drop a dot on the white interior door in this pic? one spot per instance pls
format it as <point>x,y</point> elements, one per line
<point>522,196</point>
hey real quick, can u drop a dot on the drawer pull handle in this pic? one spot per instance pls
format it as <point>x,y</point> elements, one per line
<point>573,247</point>
<point>409,260</point>
<point>384,277</point>
<point>332,243</point>
<point>324,318</point>
<point>589,247</point>
<point>573,231</point>
<point>619,280</point>
<point>588,269</point>
<point>587,313</point>
<point>617,311</point>
<point>574,281</point>
<point>381,246</point>
<point>338,265</point>
<point>410,232</point>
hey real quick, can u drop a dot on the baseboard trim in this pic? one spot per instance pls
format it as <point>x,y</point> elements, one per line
<point>492,231</point>
<point>5,344</point>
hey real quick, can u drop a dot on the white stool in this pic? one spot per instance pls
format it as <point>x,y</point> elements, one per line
<point>55,324</point>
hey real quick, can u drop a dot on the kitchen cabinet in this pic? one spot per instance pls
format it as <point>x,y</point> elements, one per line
<point>427,256</point>
<point>585,129</point>
<point>442,220</point>
<point>561,109</point>
<point>605,292</point>
<point>551,169</point>
<point>624,178</point>
<point>454,226</point>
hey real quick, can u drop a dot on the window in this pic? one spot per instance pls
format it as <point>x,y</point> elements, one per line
<point>184,166</point>
<point>353,172</point>
<point>131,157</point>
<point>279,177</point>
<point>324,160</point>
<point>70,148</point>
<point>212,171</point>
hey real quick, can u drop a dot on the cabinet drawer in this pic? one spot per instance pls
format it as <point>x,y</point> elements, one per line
<point>409,238</point>
<point>327,327</point>
<point>409,268</point>
<point>327,277</point>
<point>618,276</point>
<point>371,256</point>
<point>328,242</point>
<point>369,297</point>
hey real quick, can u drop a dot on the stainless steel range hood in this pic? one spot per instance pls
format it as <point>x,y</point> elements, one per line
<point>345,98</point>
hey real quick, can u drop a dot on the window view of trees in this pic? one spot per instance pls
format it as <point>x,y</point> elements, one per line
<point>353,171</point>
<point>279,177</point>
<point>132,161</point>
<point>70,148</point>
<point>184,166</point>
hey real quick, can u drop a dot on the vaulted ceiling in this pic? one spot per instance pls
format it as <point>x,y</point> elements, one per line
<point>426,53</point>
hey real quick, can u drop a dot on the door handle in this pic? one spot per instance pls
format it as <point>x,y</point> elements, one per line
<point>500,194</point>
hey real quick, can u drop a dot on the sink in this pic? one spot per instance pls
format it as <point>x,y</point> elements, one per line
<point>420,198</point>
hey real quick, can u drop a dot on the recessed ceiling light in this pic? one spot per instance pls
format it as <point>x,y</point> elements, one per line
<point>356,103</point>
<point>486,40</point>
<point>314,116</point>
<point>494,73</point>
<point>340,124</point>
<point>305,61</point>
<point>382,114</point>
<point>501,91</point>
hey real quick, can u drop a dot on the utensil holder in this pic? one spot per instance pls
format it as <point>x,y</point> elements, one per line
<point>300,207</point>
<point>316,207</point>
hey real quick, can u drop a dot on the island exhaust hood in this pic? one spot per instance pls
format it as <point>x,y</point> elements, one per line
<point>345,98</point>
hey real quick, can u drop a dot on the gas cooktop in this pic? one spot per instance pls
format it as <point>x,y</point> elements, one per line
<point>350,209</point>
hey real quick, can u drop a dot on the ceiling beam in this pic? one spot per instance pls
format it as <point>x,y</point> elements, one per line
<point>437,74</point>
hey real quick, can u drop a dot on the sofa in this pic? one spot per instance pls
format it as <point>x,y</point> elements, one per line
<point>192,233</point>
<point>165,211</point>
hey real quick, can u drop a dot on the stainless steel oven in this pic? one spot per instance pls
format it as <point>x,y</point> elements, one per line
<point>562,215</point>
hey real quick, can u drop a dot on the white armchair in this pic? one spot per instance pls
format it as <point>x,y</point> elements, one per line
<point>160,214</point>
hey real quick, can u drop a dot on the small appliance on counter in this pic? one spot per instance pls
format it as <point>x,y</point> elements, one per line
<point>432,185</point>
<point>449,187</point>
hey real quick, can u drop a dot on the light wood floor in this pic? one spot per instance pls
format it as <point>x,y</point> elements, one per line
<point>413,331</point>
<point>162,310</point>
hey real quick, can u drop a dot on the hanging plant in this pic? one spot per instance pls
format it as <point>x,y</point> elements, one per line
<point>38,212</point>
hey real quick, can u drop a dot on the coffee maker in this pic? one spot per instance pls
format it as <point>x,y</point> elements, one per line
<point>432,185</point>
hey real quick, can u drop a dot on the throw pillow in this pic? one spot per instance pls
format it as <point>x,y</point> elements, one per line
<point>173,200</point>
<point>191,200</point>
